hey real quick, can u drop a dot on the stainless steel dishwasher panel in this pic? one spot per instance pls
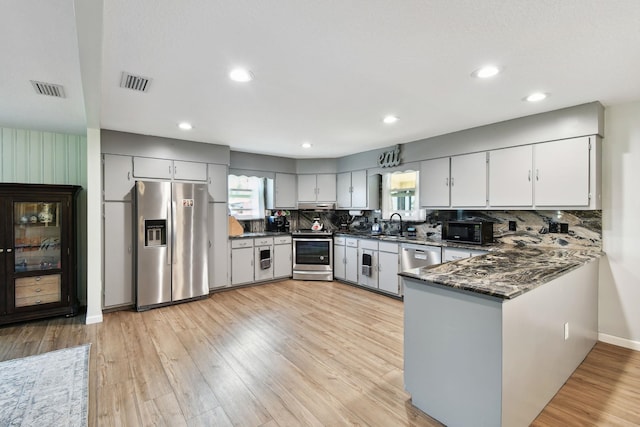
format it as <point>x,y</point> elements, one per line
<point>416,256</point>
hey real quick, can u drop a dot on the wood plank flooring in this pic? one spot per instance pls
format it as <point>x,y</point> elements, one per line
<point>284,354</point>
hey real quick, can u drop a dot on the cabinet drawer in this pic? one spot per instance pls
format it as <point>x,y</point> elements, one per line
<point>369,244</point>
<point>37,290</point>
<point>339,241</point>
<point>282,240</point>
<point>352,242</point>
<point>388,247</point>
<point>241,243</point>
<point>263,241</point>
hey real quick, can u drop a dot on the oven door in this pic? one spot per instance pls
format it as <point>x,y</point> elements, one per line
<point>312,259</point>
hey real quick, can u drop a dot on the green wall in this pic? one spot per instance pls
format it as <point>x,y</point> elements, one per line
<point>36,157</point>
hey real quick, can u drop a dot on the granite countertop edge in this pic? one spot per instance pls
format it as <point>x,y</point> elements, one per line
<point>505,274</point>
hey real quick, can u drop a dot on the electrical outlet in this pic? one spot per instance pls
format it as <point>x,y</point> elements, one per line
<point>566,331</point>
<point>553,227</point>
<point>564,227</point>
<point>512,226</point>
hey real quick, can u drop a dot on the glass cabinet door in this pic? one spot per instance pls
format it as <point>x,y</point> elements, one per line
<point>37,235</point>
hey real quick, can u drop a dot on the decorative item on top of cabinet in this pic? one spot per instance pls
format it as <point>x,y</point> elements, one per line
<point>37,251</point>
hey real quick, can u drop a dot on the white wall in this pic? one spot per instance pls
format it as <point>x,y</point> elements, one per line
<point>619,292</point>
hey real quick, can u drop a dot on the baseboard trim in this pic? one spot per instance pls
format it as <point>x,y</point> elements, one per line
<point>93,319</point>
<point>621,342</point>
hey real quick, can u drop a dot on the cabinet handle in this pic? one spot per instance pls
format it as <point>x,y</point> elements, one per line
<point>446,182</point>
<point>529,176</point>
<point>452,181</point>
<point>128,176</point>
<point>9,250</point>
<point>38,278</point>
<point>38,302</point>
<point>38,290</point>
<point>169,169</point>
<point>1,250</point>
<point>537,175</point>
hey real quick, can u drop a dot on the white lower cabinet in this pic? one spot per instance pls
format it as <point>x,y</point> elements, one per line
<point>339,260</point>
<point>118,258</point>
<point>242,261</point>
<point>454,254</point>
<point>388,268</point>
<point>368,263</point>
<point>351,260</point>
<point>263,258</point>
<point>282,257</point>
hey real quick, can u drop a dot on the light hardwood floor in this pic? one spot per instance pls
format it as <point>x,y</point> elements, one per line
<point>284,354</point>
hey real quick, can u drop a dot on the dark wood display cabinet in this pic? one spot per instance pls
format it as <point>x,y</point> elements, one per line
<point>37,251</point>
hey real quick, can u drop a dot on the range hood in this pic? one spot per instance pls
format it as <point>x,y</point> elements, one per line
<point>317,207</point>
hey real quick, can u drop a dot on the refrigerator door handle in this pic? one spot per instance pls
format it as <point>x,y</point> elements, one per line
<point>169,233</point>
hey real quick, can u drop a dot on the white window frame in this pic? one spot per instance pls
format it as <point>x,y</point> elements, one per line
<point>415,214</point>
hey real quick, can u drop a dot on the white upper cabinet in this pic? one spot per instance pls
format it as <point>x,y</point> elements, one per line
<point>189,171</point>
<point>118,177</point>
<point>285,191</point>
<point>510,177</point>
<point>317,188</point>
<point>469,180</point>
<point>344,189</point>
<point>217,182</point>
<point>562,173</point>
<point>434,183</point>
<point>147,167</point>
<point>357,190</point>
<point>558,174</point>
<point>326,187</point>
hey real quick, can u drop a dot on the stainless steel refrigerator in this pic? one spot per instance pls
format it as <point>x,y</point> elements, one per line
<point>172,243</point>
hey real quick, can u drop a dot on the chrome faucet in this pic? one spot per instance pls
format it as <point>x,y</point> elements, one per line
<point>399,216</point>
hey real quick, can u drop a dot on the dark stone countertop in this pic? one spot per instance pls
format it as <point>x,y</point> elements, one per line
<point>506,273</point>
<point>419,241</point>
<point>260,234</point>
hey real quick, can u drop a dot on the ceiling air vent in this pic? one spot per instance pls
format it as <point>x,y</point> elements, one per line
<point>139,83</point>
<point>48,89</point>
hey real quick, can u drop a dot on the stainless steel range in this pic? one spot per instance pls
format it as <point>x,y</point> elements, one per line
<point>312,255</point>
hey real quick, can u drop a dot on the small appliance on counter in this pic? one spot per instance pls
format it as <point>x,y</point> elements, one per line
<point>471,232</point>
<point>277,223</point>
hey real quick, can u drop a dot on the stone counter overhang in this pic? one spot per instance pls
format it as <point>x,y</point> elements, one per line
<point>507,272</point>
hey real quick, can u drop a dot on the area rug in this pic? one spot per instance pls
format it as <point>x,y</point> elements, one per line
<point>49,389</point>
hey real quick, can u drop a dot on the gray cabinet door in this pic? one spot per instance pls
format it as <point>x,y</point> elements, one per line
<point>307,188</point>
<point>286,190</point>
<point>344,190</point>
<point>189,171</point>
<point>360,190</point>
<point>145,167</point>
<point>217,182</point>
<point>118,254</point>
<point>326,183</point>
<point>242,265</point>
<point>339,262</point>
<point>218,246</point>
<point>117,178</point>
<point>282,261</point>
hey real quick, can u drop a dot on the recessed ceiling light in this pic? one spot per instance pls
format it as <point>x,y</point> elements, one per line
<point>536,96</point>
<point>390,119</point>
<point>486,72</point>
<point>185,126</point>
<point>241,75</point>
<point>306,145</point>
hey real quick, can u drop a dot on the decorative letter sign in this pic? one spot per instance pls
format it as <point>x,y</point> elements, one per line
<point>390,158</point>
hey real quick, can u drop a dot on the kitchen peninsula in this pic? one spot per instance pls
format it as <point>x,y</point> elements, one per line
<point>489,340</point>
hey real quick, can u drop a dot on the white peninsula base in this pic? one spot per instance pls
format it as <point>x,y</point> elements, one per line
<point>475,360</point>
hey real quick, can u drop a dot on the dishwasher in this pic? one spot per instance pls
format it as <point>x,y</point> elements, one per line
<point>415,256</point>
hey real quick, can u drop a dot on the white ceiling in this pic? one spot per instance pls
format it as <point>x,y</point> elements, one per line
<point>325,71</point>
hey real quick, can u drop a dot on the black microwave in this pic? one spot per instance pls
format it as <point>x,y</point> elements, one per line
<point>472,232</point>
